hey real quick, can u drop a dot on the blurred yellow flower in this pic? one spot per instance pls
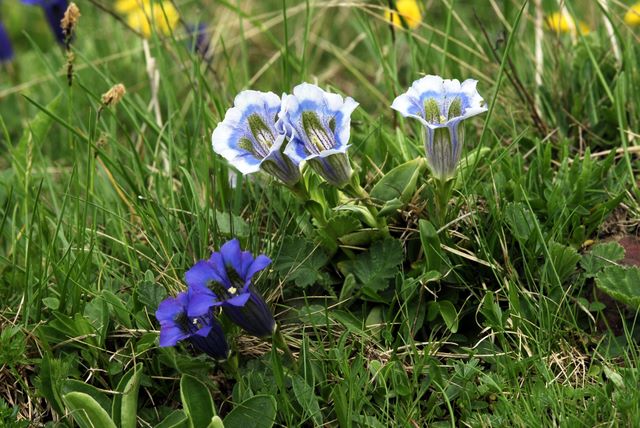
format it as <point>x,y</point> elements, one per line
<point>143,14</point>
<point>562,22</point>
<point>409,10</point>
<point>129,6</point>
<point>632,17</point>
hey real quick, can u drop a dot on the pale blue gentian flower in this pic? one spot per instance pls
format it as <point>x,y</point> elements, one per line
<point>441,105</point>
<point>318,125</point>
<point>249,140</point>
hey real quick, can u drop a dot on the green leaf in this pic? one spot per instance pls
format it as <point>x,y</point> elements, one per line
<point>307,399</point>
<point>231,224</point>
<point>300,261</point>
<point>375,267</point>
<point>51,302</point>
<point>601,256</point>
<point>149,294</point>
<point>197,401</point>
<point>449,315</point>
<point>348,288</point>
<point>35,133</point>
<point>86,411</point>
<point>73,385</point>
<point>120,310</point>
<point>342,224</point>
<point>216,422</point>
<point>125,403</point>
<point>399,183</point>
<point>563,261</point>
<point>374,321</point>
<point>621,283</point>
<point>176,419</point>
<point>521,221</point>
<point>258,411</point>
<point>430,245</point>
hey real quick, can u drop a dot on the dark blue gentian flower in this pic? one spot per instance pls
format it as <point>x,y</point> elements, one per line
<point>200,38</point>
<point>54,12</point>
<point>6,51</point>
<point>225,280</point>
<point>204,331</point>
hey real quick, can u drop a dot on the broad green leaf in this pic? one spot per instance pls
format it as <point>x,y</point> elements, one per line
<point>621,283</point>
<point>374,321</point>
<point>521,221</point>
<point>342,224</point>
<point>562,261</point>
<point>51,302</point>
<point>348,288</point>
<point>400,182</point>
<point>307,399</point>
<point>73,385</point>
<point>232,225</point>
<point>197,401</point>
<point>601,256</point>
<point>125,402</point>
<point>176,419</point>
<point>86,411</point>
<point>258,411</point>
<point>216,422</point>
<point>375,267</point>
<point>300,261</point>
<point>449,315</point>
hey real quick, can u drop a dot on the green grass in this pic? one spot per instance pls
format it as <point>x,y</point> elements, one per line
<point>494,320</point>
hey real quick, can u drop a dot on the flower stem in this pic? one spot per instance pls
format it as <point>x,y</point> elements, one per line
<point>313,207</point>
<point>280,342</point>
<point>442,196</point>
<point>355,190</point>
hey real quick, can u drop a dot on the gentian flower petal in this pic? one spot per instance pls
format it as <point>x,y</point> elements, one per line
<point>258,264</point>
<point>54,12</point>
<point>249,140</point>
<point>441,106</point>
<point>240,301</point>
<point>202,273</point>
<point>203,331</point>
<point>6,50</point>
<point>319,125</point>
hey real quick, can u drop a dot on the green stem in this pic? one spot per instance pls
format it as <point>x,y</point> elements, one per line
<point>354,190</point>
<point>280,342</point>
<point>442,197</point>
<point>314,207</point>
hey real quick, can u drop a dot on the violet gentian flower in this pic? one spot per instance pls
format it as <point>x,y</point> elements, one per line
<point>54,12</point>
<point>318,124</point>
<point>248,139</point>
<point>204,332</point>
<point>6,51</point>
<point>225,280</point>
<point>441,105</point>
<point>200,39</point>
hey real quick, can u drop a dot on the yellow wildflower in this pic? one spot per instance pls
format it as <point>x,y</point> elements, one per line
<point>632,17</point>
<point>409,10</point>
<point>562,22</point>
<point>129,6</point>
<point>162,15</point>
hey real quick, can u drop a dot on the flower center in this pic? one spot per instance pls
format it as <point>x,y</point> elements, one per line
<point>262,135</point>
<point>317,134</point>
<point>439,113</point>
